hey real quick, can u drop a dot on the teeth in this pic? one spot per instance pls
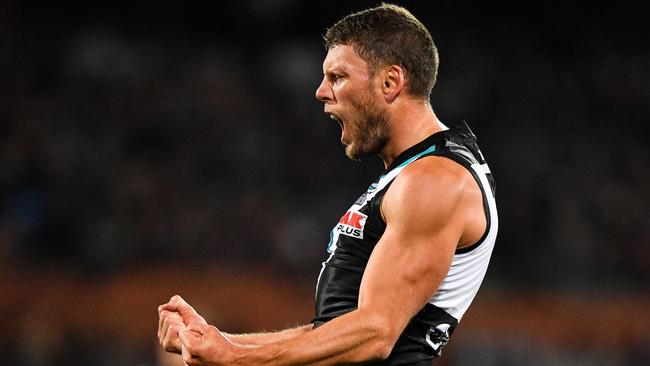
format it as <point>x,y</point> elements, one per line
<point>333,117</point>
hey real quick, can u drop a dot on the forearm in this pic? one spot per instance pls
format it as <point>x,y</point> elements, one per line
<point>258,339</point>
<point>352,338</point>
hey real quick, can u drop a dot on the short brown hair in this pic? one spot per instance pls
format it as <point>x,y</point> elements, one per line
<point>390,35</point>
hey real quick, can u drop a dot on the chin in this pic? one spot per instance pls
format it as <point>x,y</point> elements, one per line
<point>354,153</point>
<point>351,152</point>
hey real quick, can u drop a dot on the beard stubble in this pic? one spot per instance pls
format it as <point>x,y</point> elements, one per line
<point>371,129</point>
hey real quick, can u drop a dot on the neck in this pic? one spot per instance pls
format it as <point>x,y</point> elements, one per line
<point>411,122</point>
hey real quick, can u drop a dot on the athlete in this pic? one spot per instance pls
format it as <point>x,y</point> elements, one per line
<point>408,257</point>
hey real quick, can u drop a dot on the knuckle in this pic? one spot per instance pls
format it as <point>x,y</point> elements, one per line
<point>165,323</point>
<point>167,328</point>
<point>169,320</point>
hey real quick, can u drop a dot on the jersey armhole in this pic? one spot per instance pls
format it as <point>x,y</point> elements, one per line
<point>486,206</point>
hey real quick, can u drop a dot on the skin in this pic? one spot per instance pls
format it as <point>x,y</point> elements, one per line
<point>363,119</point>
<point>432,208</point>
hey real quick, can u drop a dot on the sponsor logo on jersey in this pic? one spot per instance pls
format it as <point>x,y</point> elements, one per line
<point>351,224</point>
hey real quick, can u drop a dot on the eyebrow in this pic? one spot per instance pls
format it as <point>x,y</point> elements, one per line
<point>336,69</point>
<point>334,72</point>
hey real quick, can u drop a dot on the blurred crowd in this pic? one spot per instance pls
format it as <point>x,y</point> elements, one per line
<point>123,149</point>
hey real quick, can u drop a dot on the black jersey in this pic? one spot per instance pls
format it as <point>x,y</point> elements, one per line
<point>354,237</point>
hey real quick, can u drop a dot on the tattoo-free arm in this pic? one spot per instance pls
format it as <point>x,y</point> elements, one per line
<point>258,339</point>
<point>426,210</point>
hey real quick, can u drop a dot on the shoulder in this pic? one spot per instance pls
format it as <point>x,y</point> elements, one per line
<point>433,177</point>
<point>429,190</point>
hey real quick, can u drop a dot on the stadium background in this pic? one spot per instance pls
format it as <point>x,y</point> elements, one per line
<point>155,148</point>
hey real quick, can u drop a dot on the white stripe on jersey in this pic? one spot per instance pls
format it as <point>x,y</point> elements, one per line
<point>467,270</point>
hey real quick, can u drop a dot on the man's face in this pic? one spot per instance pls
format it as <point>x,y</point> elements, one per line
<point>351,97</point>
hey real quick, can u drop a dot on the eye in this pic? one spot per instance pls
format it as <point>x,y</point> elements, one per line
<point>334,77</point>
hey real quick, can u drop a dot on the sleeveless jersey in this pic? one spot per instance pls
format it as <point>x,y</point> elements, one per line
<point>353,239</point>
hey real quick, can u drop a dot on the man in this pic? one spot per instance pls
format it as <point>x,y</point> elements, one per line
<point>409,255</point>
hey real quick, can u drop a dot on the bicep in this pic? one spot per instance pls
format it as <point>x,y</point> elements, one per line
<point>400,279</point>
<point>415,252</point>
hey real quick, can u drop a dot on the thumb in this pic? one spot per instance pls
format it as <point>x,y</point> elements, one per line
<point>198,328</point>
<point>192,335</point>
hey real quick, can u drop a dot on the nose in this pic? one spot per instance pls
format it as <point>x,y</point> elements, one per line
<point>324,91</point>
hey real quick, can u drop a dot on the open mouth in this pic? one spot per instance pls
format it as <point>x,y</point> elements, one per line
<point>337,119</point>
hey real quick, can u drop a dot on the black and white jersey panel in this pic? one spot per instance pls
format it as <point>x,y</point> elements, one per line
<point>354,237</point>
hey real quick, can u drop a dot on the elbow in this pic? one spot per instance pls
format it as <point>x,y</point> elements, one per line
<point>384,337</point>
<point>382,349</point>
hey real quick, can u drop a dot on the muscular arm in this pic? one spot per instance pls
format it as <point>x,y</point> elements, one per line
<point>258,339</point>
<point>427,211</point>
<point>176,314</point>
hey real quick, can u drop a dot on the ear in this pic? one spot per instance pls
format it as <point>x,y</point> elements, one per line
<point>392,82</point>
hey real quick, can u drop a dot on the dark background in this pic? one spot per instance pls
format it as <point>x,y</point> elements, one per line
<point>154,148</point>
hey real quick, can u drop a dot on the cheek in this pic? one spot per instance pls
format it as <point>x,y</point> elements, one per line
<point>347,90</point>
<point>340,92</point>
